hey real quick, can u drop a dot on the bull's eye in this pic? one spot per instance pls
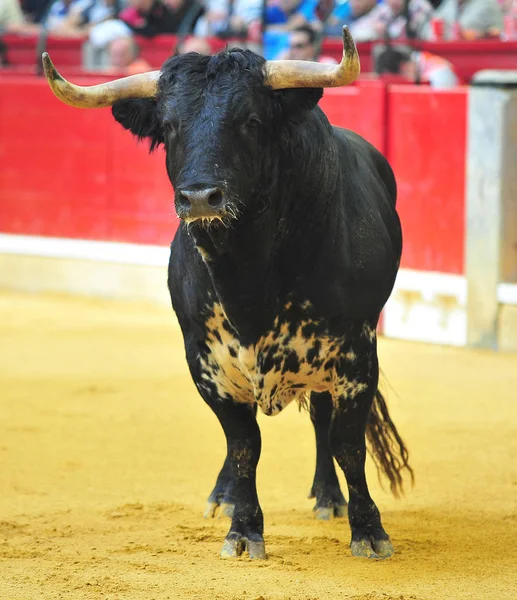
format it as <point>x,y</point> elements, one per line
<point>252,121</point>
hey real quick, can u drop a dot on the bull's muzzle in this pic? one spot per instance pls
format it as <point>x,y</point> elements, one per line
<point>200,203</point>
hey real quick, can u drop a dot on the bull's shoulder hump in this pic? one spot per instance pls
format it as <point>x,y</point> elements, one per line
<point>353,141</point>
<point>368,155</point>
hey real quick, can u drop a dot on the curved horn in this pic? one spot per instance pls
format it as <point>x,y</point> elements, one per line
<point>282,74</point>
<point>144,85</point>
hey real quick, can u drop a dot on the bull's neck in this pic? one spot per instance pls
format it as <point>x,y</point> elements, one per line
<point>257,265</point>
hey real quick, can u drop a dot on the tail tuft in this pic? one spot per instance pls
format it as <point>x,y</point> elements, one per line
<point>386,447</point>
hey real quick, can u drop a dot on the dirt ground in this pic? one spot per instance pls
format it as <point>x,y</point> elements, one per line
<point>107,455</point>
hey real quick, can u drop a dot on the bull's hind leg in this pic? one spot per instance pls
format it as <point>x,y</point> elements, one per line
<point>243,453</point>
<point>325,488</point>
<point>348,429</point>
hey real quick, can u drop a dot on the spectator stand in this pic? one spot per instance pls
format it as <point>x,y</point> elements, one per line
<point>467,57</point>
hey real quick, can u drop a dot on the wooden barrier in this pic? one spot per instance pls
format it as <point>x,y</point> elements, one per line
<point>426,141</point>
<point>77,173</point>
<point>68,175</point>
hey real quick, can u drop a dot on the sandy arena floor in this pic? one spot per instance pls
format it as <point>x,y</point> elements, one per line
<point>107,455</point>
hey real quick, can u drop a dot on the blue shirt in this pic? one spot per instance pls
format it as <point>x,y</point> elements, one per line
<point>276,16</point>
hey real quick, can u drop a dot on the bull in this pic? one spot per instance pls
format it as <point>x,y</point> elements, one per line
<point>287,250</point>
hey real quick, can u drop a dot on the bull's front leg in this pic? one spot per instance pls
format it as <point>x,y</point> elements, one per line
<point>222,498</point>
<point>243,452</point>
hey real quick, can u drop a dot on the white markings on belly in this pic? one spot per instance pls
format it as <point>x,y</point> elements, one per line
<point>291,360</point>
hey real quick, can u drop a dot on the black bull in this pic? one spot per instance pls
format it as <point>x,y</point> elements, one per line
<point>287,251</point>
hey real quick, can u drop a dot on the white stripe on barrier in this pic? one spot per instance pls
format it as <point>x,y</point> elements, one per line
<point>431,285</point>
<point>114,252</point>
<point>428,284</point>
<point>507,293</point>
<point>431,307</point>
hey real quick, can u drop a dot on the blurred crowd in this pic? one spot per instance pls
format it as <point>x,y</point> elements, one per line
<point>290,29</point>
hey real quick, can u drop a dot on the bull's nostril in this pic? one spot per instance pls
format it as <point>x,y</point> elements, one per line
<point>199,201</point>
<point>183,201</point>
<point>215,199</point>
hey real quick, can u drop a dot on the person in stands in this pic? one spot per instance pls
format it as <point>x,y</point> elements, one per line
<point>76,18</point>
<point>228,17</point>
<point>417,67</point>
<point>477,18</point>
<point>35,10</point>
<point>302,46</point>
<point>353,13</point>
<point>193,43</point>
<point>124,57</point>
<point>288,15</point>
<point>153,17</point>
<point>387,20</point>
<point>12,19</point>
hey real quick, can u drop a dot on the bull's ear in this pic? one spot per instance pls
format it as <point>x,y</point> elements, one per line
<point>296,102</point>
<point>140,117</point>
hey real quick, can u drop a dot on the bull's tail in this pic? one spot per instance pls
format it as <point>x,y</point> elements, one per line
<point>386,447</point>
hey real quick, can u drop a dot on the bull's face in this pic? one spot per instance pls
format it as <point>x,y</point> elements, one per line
<point>224,121</point>
<point>222,130</point>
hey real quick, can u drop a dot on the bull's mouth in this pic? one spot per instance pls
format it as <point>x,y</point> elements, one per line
<point>222,216</point>
<point>204,221</point>
<point>192,215</point>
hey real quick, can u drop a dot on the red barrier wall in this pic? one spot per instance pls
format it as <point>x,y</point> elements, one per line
<point>66,172</point>
<point>426,146</point>
<point>76,173</point>
<point>360,107</point>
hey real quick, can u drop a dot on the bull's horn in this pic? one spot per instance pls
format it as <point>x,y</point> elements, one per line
<point>144,85</point>
<point>282,74</point>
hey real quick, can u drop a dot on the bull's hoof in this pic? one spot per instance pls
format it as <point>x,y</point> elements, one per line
<point>236,544</point>
<point>326,513</point>
<point>372,548</point>
<point>330,502</point>
<point>221,509</point>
